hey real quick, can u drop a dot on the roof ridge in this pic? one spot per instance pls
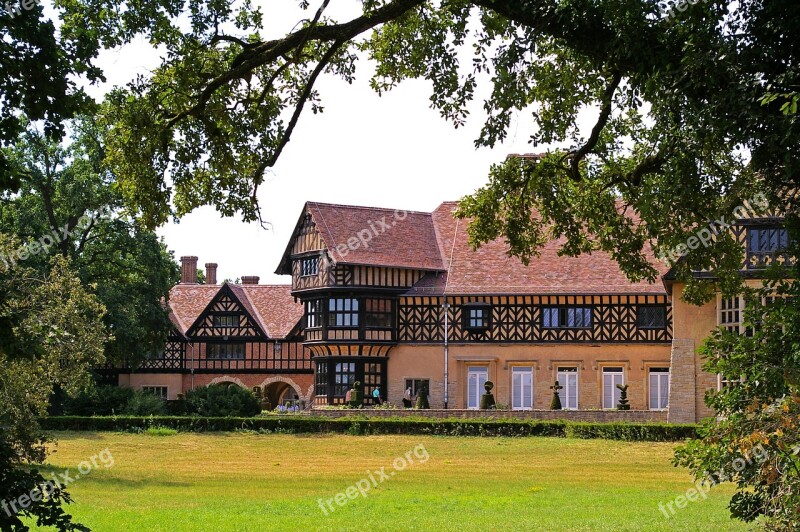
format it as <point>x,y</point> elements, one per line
<point>365,207</point>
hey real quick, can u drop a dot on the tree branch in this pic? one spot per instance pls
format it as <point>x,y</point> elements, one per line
<point>602,120</point>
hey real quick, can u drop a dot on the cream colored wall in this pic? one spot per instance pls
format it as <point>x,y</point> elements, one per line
<point>173,382</point>
<point>427,361</point>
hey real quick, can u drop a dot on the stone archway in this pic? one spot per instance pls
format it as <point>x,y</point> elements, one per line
<point>277,389</point>
<point>227,381</point>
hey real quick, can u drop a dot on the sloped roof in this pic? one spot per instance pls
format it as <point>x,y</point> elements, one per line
<point>490,270</point>
<point>376,236</point>
<point>272,306</point>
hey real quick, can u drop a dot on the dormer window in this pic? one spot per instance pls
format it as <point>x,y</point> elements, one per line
<point>226,320</point>
<point>477,317</point>
<point>309,267</point>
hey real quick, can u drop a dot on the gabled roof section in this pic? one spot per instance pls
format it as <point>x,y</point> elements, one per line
<point>231,293</point>
<point>187,302</point>
<point>275,308</point>
<point>490,270</point>
<point>372,236</point>
<point>271,308</point>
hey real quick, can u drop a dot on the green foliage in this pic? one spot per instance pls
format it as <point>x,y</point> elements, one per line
<point>365,425</point>
<point>487,399</point>
<point>145,404</point>
<point>98,401</point>
<point>160,431</point>
<point>16,481</point>
<point>623,403</point>
<point>422,398</point>
<point>220,400</point>
<point>67,190</point>
<point>755,436</point>
<point>356,396</point>
<point>555,402</point>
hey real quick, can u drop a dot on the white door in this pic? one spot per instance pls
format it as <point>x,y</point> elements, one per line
<point>659,389</point>
<point>476,378</point>
<point>611,394</point>
<point>568,378</point>
<point>522,388</point>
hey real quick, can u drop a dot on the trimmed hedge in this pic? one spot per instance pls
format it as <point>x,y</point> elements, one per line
<point>357,426</point>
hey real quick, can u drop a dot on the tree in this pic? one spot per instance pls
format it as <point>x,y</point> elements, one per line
<point>51,334</point>
<point>687,123</point>
<point>69,204</point>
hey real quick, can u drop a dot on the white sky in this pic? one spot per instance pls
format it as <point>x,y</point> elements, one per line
<point>391,151</point>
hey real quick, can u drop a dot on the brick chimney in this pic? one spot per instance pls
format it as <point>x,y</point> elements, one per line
<point>211,273</point>
<point>250,279</point>
<point>188,270</point>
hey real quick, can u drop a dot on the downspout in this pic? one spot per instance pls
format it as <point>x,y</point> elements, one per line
<point>446,308</point>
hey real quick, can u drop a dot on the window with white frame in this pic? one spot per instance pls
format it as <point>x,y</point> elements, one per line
<point>476,378</point>
<point>611,377</point>
<point>568,379</point>
<point>158,391</point>
<point>659,388</point>
<point>522,387</point>
<point>730,313</point>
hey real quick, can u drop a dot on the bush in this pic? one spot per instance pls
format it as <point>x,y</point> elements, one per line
<point>145,404</point>
<point>362,425</point>
<point>222,401</point>
<point>98,401</point>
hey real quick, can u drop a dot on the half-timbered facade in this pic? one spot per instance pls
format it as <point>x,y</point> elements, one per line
<point>247,334</point>
<point>386,293</point>
<point>399,301</point>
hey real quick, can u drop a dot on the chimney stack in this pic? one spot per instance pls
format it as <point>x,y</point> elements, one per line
<point>250,279</point>
<point>211,273</point>
<point>188,270</point>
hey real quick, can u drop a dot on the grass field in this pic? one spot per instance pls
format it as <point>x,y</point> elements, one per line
<point>254,482</point>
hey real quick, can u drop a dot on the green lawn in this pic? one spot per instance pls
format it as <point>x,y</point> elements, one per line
<point>274,482</point>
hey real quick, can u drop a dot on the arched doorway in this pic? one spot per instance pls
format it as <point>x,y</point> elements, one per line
<point>281,391</point>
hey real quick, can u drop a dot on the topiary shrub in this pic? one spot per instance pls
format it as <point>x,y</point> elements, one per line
<point>623,403</point>
<point>145,404</point>
<point>422,398</point>
<point>222,401</point>
<point>555,402</point>
<point>487,399</point>
<point>356,395</point>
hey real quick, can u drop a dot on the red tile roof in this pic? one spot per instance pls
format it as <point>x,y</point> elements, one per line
<point>377,237</point>
<point>272,306</point>
<point>490,270</point>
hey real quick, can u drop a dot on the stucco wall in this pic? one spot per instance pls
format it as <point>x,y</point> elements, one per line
<point>427,362</point>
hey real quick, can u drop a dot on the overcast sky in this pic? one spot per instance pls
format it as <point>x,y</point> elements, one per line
<point>390,151</point>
